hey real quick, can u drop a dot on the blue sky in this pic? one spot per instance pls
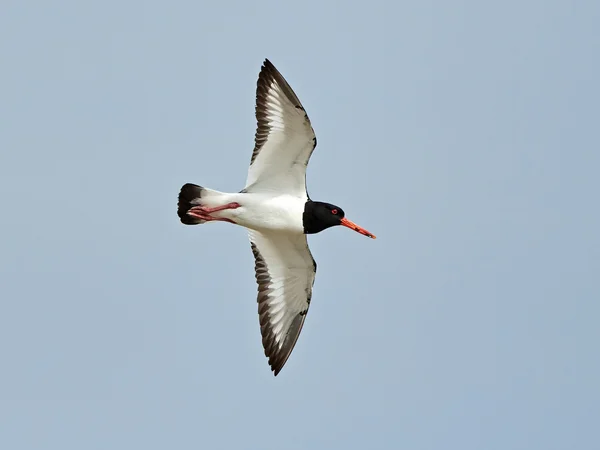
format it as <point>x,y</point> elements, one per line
<point>463,134</point>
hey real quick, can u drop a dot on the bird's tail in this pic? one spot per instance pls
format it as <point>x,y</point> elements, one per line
<point>193,195</point>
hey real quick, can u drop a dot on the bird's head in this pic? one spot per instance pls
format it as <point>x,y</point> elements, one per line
<point>319,216</point>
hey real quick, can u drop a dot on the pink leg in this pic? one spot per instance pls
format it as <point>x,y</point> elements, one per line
<point>207,210</point>
<point>209,218</point>
<point>203,212</point>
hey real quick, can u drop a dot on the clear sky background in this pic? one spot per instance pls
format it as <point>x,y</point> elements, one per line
<point>464,134</point>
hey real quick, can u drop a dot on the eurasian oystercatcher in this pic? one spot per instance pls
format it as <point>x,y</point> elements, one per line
<point>276,209</point>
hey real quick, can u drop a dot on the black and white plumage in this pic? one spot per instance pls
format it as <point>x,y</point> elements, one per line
<point>284,291</point>
<point>284,139</point>
<point>276,209</point>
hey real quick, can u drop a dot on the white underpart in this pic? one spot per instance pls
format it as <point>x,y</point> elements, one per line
<point>260,211</point>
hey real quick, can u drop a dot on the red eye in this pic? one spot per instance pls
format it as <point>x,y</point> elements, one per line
<point>334,211</point>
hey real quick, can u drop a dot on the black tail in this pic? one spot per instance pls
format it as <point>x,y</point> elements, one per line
<point>189,196</point>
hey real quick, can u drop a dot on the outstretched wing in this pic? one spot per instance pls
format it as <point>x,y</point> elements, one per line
<point>284,137</point>
<point>285,273</point>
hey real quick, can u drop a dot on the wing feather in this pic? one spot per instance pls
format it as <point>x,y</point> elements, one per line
<point>285,273</point>
<point>284,139</point>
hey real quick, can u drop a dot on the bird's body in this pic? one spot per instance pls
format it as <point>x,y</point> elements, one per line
<point>261,211</point>
<point>276,209</point>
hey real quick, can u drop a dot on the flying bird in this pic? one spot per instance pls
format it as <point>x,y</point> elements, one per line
<point>277,211</point>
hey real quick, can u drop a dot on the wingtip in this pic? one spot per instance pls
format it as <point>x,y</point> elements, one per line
<point>269,67</point>
<point>278,365</point>
<point>275,368</point>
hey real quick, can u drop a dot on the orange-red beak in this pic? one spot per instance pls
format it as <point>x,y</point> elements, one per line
<point>356,228</point>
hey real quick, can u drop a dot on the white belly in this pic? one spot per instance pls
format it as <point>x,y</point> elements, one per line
<point>266,213</point>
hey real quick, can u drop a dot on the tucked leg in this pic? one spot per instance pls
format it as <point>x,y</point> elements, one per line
<point>207,210</point>
<point>204,212</point>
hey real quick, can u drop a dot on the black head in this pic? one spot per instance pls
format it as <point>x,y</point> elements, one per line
<point>319,215</point>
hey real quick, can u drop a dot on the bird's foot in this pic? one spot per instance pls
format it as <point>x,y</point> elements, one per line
<point>207,210</point>
<point>204,212</point>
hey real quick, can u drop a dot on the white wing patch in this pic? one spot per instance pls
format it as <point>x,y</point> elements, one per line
<point>285,273</point>
<point>284,137</point>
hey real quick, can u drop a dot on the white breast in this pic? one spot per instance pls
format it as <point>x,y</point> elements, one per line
<point>264,212</point>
